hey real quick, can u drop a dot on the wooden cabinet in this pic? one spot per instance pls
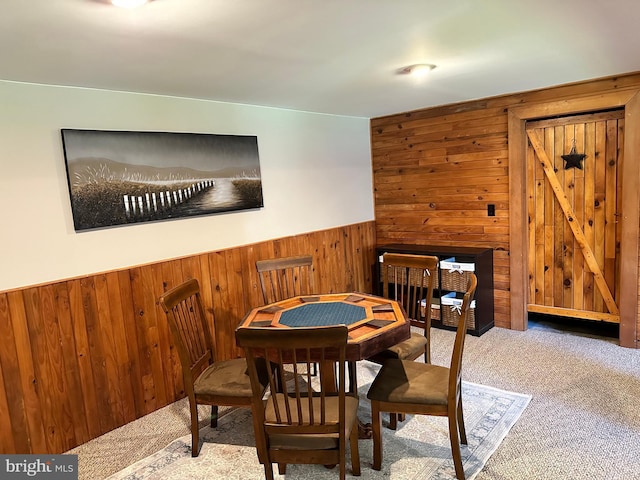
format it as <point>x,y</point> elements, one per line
<point>455,263</point>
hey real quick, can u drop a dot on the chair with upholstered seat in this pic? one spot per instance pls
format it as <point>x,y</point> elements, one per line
<point>206,381</point>
<point>405,386</point>
<point>409,279</point>
<point>307,421</point>
<point>286,277</point>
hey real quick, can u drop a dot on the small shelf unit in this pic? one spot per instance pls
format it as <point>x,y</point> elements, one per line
<point>455,265</point>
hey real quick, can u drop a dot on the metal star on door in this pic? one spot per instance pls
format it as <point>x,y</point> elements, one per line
<point>573,159</point>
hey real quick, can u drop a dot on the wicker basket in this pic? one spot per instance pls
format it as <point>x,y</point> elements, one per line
<point>455,275</point>
<point>451,317</point>
<point>435,309</point>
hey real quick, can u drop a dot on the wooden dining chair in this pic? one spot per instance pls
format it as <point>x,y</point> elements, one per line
<point>409,279</point>
<point>405,386</point>
<point>282,278</point>
<point>206,381</point>
<point>308,421</point>
<point>286,277</point>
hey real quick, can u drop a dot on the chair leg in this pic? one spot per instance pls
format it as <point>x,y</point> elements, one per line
<point>195,441</point>
<point>394,418</point>
<point>393,421</point>
<point>355,452</point>
<point>214,416</point>
<point>195,447</point>
<point>461,429</point>
<point>282,468</point>
<point>353,378</point>
<point>376,424</point>
<point>455,445</point>
<point>268,471</point>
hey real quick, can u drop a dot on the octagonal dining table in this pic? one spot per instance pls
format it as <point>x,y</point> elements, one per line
<point>374,323</point>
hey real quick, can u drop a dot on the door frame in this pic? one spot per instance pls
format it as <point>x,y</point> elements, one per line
<point>518,225</point>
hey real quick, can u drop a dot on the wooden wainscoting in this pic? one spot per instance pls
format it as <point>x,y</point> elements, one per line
<point>83,356</point>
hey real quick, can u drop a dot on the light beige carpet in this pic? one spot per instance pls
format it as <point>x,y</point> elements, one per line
<point>583,422</point>
<point>418,450</point>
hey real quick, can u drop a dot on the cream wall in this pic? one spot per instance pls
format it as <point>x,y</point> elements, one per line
<point>316,174</point>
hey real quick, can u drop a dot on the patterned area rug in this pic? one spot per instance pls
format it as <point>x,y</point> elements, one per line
<point>418,450</point>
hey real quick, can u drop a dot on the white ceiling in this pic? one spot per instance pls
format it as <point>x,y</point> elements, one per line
<point>329,56</point>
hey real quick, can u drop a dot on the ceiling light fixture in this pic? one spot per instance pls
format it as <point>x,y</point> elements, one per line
<point>417,70</point>
<point>128,3</point>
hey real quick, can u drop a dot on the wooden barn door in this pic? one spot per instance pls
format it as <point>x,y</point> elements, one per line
<point>573,212</point>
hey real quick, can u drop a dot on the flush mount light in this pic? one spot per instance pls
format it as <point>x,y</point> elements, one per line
<point>418,70</point>
<point>128,3</point>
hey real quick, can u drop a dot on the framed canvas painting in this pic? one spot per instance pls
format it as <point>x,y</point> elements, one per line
<point>122,177</point>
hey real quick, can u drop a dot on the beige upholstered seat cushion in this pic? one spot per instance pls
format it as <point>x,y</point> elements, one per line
<point>227,377</point>
<point>310,441</point>
<point>405,381</point>
<point>409,348</point>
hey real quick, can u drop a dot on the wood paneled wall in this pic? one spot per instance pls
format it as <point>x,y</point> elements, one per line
<point>436,171</point>
<point>83,356</point>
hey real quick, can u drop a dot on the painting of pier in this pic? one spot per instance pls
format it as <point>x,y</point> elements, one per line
<point>122,177</point>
